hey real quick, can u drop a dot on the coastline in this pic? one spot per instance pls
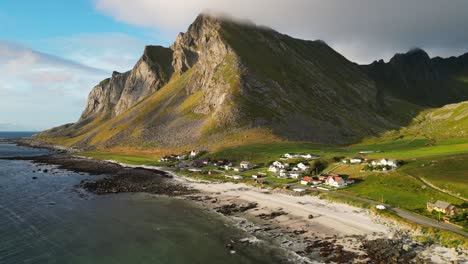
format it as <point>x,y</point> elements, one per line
<point>306,226</point>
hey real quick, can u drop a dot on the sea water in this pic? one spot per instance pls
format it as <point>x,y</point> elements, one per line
<point>46,218</point>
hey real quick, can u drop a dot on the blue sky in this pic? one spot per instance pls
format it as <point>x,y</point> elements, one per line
<point>53,52</point>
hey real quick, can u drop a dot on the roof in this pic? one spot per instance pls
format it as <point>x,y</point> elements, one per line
<point>307,178</point>
<point>440,204</point>
<point>336,177</point>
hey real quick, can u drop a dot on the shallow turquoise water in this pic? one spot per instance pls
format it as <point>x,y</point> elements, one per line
<point>50,220</point>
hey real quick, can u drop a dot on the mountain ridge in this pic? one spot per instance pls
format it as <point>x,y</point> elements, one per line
<point>419,79</point>
<point>225,83</point>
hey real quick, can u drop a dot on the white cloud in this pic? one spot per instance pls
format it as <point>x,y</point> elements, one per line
<point>39,90</point>
<point>109,51</point>
<point>362,30</point>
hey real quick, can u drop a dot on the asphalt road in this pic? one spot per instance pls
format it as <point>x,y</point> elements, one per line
<point>419,219</point>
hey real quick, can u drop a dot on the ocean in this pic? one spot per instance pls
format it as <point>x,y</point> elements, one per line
<point>46,218</point>
<point>20,134</point>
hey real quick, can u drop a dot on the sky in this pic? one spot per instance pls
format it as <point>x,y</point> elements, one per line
<point>53,52</point>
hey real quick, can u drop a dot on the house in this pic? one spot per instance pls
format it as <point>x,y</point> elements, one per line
<point>289,155</point>
<point>283,173</point>
<point>336,181</point>
<point>306,180</point>
<point>316,182</point>
<point>255,176</point>
<point>386,162</point>
<point>246,165</point>
<point>221,162</point>
<point>323,177</point>
<point>295,175</point>
<point>279,164</point>
<point>443,207</point>
<point>200,163</point>
<point>356,161</point>
<point>307,156</point>
<point>302,166</point>
<point>181,157</point>
<point>274,169</point>
<point>228,167</point>
<point>193,153</point>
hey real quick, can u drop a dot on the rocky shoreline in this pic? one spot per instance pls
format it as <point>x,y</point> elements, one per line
<point>276,225</point>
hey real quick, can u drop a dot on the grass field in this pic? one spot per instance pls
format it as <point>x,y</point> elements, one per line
<point>400,190</point>
<point>140,159</point>
<point>448,173</point>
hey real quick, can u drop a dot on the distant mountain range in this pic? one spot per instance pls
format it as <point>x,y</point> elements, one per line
<point>225,83</point>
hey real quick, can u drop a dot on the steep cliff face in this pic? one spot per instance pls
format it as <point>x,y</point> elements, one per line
<point>115,95</point>
<point>224,83</point>
<point>105,96</point>
<point>415,77</point>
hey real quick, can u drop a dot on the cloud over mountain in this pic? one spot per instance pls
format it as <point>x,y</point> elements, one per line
<point>363,30</point>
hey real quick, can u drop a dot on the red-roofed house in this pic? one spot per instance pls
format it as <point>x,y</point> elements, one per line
<point>336,181</point>
<point>306,180</point>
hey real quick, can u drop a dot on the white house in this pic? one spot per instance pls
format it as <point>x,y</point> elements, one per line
<point>356,160</point>
<point>306,156</point>
<point>193,153</point>
<point>274,169</point>
<point>228,167</point>
<point>283,173</point>
<point>385,162</point>
<point>246,165</point>
<point>295,175</point>
<point>279,164</point>
<point>302,166</point>
<point>255,176</point>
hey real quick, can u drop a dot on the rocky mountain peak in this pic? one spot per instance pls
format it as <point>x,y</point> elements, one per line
<point>413,56</point>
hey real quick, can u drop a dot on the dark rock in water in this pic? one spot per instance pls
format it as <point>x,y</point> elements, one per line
<point>311,217</point>
<point>34,178</point>
<point>46,170</point>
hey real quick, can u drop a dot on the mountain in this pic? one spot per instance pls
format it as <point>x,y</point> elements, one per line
<point>225,83</point>
<point>447,122</point>
<point>417,78</point>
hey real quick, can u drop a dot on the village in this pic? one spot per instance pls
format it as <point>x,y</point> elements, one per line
<point>294,170</point>
<point>300,173</point>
